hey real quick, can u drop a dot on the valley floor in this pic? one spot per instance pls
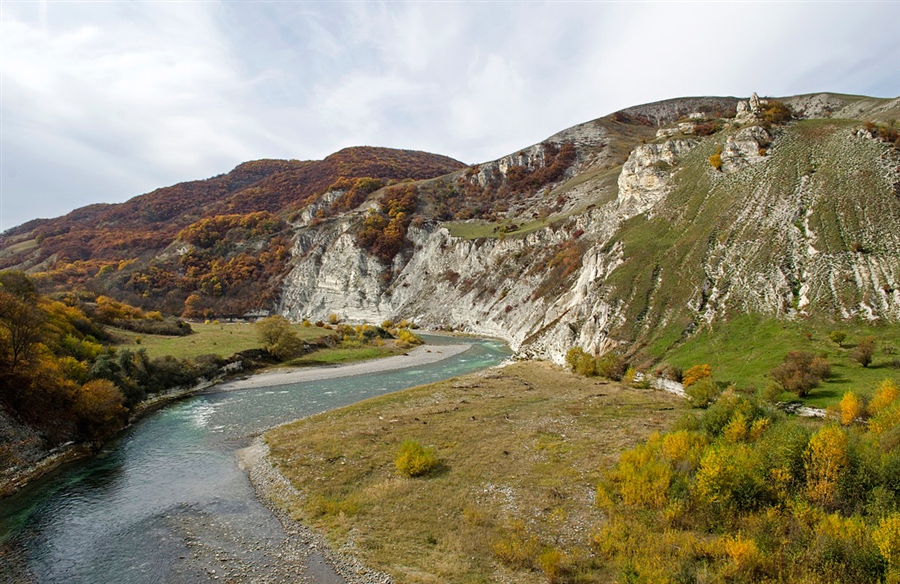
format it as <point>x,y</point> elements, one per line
<point>521,449</point>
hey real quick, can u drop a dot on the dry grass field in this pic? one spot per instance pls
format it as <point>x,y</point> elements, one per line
<point>512,499</point>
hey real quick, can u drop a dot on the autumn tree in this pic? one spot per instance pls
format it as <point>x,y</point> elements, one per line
<point>277,336</point>
<point>864,351</point>
<point>800,372</point>
<point>100,410</point>
<point>21,321</point>
<point>826,461</point>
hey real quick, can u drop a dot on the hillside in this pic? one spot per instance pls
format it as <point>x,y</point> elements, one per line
<point>630,232</point>
<point>238,237</point>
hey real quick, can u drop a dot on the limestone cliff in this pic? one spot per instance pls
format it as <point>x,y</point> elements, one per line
<point>647,240</point>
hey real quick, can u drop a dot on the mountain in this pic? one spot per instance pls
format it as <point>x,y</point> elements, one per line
<point>629,232</point>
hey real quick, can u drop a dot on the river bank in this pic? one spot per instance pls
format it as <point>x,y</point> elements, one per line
<point>15,478</point>
<point>168,501</point>
<point>421,355</point>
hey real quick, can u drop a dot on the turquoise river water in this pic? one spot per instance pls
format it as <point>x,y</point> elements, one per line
<point>131,513</point>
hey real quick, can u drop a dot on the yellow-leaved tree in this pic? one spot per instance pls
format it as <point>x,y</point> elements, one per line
<point>826,460</point>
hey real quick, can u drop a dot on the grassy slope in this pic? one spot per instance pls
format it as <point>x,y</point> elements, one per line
<point>666,255</point>
<point>745,349</point>
<point>526,444</point>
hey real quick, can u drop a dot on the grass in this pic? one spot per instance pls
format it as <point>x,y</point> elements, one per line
<point>520,451</point>
<point>338,355</point>
<point>745,349</point>
<point>223,340</point>
<point>485,229</point>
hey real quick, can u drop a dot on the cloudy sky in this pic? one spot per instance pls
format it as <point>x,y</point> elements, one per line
<point>102,101</point>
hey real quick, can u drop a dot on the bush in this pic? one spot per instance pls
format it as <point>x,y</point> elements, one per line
<point>800,372</point>
<point>611,366</point>
<point>580,362</point>
<point>851,408</point>
<point>414,460</point>
<point>716,159</point>
<point>837,337</point>
<point>864,351</point>
<point>277,336</point>
<point>776,112</point>
<point>703,393</point>
<point>695,374</point>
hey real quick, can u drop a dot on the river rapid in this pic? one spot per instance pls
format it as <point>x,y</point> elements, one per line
<point>167,501</point>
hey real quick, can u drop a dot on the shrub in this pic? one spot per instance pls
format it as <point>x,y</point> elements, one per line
<point>518,547</point>
<point>800,372</point>
<point>408,338</point>
<point>580,361</point>
<point>885,394</point>
<point>415,460</point>
<point>703,392</point>
<point>776,112</point>
<point>672,373</point>
<point>278,338</point>
<point>695,374</point>
<point>716,159</point>
<point>864,351</point>
<point>837,337</point>
<point>851,407</point>
<point>611,366</point>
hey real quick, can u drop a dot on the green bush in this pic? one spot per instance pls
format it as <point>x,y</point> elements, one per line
<point>703,393</point>
<point>580,362</point>
<point>864,351</point>
<point>611,366</point>
<point>415,460</point>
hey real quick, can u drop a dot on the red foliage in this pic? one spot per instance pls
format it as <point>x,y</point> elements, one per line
<point>383,232</point>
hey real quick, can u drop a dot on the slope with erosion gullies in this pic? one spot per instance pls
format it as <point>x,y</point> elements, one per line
<point>808,229</point>
<point>221,242</point>
<point>800,217</point>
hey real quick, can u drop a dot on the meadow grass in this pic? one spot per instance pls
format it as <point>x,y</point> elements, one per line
<point>224,340</point>
<point>744,350</point>
<point>338,355</point>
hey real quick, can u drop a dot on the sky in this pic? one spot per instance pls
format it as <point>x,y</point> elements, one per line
<point>102,101</point>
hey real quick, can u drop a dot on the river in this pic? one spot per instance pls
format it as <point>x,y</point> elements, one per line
<point>167,497</point>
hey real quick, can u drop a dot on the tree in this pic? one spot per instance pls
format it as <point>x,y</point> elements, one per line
<point>864,351</point>
<point>826,460</point>
<point>837,337</point>
<point>851,408</point>
<point>800,372</point>
<point>277,336</point>
<point>21,327</point>
<point>99,408</point>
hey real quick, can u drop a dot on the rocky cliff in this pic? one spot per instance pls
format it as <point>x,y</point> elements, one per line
<point>644,241</point>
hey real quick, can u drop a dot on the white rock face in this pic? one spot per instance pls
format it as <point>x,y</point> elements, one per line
<point>645,176</point>
<point>744,148</point>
